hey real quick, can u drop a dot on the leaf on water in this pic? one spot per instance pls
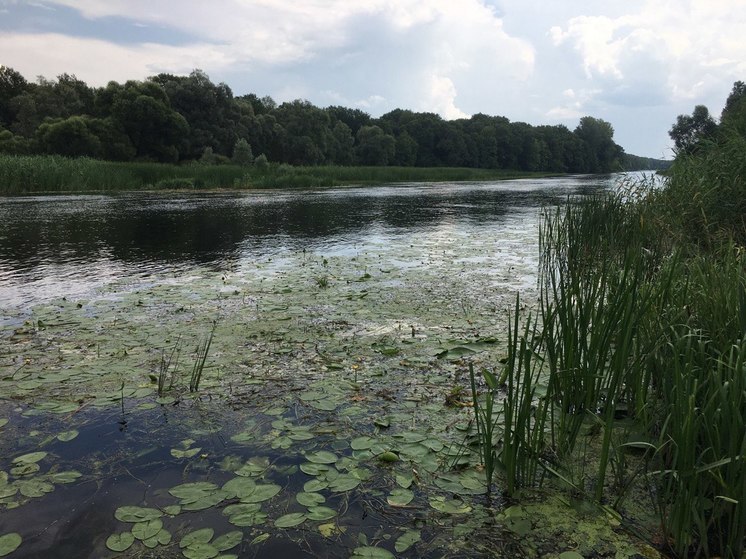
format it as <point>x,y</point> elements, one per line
<point>228,541</point>
<point>404,480</point>
<point>262,493</point>
<point>177,453</point>
<point>362,443</point>
<point>309,499</point>
<point>407,540</point>
<point>3,422</point>
<point>64,477</point>
<point>321,513</point>
<point>259,539</point>
<point>315,485</point>
<point>148,529</point>
<point>118,542</point>
<point>570,555</point>
<point>25,469</point>
<point>344,483</point>
<point>291,520</point>
<point>200,551</point>
<point>136,514</point>
<point>239,487</point>
<point>34,488</point>
<point>192,491</point>
<point>368,552</point>
<point>172,510</point>
<point>400,497</point>
<point>30,458</point>
<point>331,529</point>
<point>322,457</point>
<point>449,506</point>
<point>203,535</point>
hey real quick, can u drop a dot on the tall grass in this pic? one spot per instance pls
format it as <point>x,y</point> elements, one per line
<point>641,326</point>
<point>54,174</point>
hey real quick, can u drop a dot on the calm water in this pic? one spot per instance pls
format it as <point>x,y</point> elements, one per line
<point>54,251</point>
<point>71,245</point>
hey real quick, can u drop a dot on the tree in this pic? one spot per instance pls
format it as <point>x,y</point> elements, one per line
<point>690,131</point>
<point>12,84</point>
<point>208,157</point>
<point>70,137</point>
<point>602,155</point>
<point>734,112</point>
<point>242,154</point>
<point>374,147</point>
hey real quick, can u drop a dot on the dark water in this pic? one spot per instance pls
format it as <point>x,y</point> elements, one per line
<point>77,243</point>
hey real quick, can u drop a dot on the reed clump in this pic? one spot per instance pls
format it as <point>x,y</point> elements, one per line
<point>634,375</point>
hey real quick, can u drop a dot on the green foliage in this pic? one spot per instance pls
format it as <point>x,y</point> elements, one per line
<point>169,118</point>
<point>242,154</point>
<point>690,132</point>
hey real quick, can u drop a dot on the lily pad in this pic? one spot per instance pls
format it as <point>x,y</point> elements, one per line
<point>227,541</point>
<point>30,458</point>
<point>407,540</point>
<point>362,443</point>
<point>400,497</point>
<point>200,551</point>
<point>291,520</point>
<point>321,513</point>
<point>64,477</point>
<point>67,436</point>
<point>148,529</point>
<point>368,552</point>
<point>118,542</point>
<point>203,535</point>
<point>136,514</point>
<point>262,493</point>
<point>344,483</point>
<point>309,499</point>
<point>322,457</point>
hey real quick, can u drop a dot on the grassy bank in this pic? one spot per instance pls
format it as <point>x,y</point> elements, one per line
<point>632,385</point>
<point>52,174</point>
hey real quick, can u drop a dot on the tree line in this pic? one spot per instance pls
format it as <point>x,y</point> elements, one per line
<point>168,118</point>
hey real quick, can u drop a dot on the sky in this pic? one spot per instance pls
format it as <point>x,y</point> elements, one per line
<point>634,63</point>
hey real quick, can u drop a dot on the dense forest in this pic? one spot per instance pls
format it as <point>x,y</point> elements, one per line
<point>168,118</point>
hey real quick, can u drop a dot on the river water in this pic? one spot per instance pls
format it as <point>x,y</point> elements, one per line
<point>330,322</point>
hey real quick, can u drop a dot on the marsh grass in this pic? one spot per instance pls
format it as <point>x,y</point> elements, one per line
<point>203,349</point>
<point>55,174</point>
<point>633,377</point>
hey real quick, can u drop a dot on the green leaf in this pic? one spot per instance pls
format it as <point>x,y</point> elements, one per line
<point>3,422</point>
<point>200,551</point>
<point>322,457</point>
<point>202,535</point>
<point>368,552</point>
<point>30,458</point>
<point>136,514</point>
<point>262,493</point>
<point>290,520</point>
<point>362,443</point>
<point>239,487</point>
<point>310,499</point>
<point>118,542</point>
<point>400,497</point>
<point>344,483</point>
<point>228,541</point>
<point>321,513</point>
<point>148,529</point>
<point>67,436</point>
<point>407,540</point>
<point>64,477</point>
<point>177,453</point>
<point>570,555</point>
<point>9,543</point>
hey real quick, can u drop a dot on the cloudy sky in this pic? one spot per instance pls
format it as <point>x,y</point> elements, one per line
<point>634,63</point>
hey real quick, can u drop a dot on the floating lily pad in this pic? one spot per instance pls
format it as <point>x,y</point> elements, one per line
<point>148,529</point>
<point>163,537</point>
<point>67,436</point>
<point>310,499</point>
<point>262,493</point>
<point>3,422</point>
<point>291,520</point>
<point>400,497</point>
<point>203,535</point>
<point>322,457</point>
<point>189,453</point>
<point>344,483</point>
<point>118,542</point>
<point>136,514</point>
<point>227,541</point>
<point>407,540</point>
<point>239,487</point>
<point>368,552</point>
<point>449,506</point>
<point>34,488</point>
<point>200,551</point>
<point>64,477</point>
<point>315,485</point>
<point>321,513</point>
<point>30,458</point>
<point>362,443</point>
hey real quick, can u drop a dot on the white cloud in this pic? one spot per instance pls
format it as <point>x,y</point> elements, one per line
<point>442,98</point>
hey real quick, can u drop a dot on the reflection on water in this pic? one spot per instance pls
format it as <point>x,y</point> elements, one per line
<point>72,244</point>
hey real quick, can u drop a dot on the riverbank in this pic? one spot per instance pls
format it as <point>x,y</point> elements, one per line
<point>43,174</point>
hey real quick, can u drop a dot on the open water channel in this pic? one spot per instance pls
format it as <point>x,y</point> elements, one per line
<point>258,374</point>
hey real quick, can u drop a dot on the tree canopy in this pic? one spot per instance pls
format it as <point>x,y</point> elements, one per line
<point>173,118</point>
